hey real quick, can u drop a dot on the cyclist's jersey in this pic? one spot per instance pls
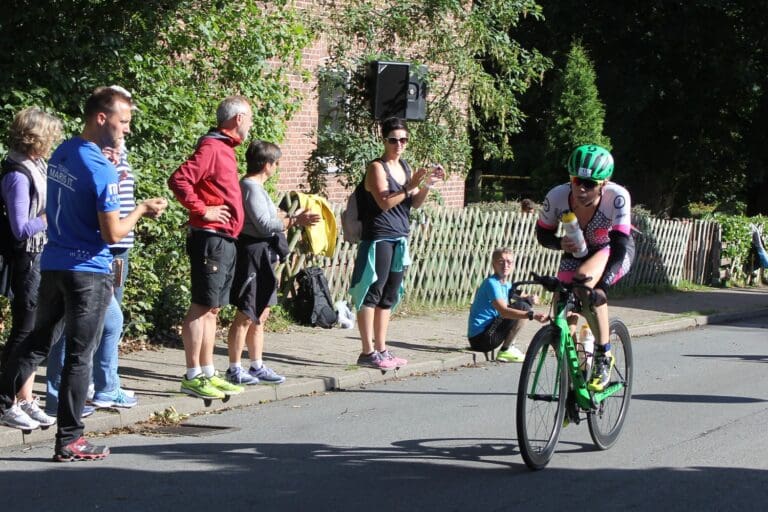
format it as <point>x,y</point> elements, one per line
<point>614,213</point>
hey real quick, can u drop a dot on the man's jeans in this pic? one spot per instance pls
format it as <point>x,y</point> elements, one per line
<point>106,381</point>
<point>77,301</point>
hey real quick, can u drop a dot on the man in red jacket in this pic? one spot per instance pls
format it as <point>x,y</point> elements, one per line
<point>207,185</point>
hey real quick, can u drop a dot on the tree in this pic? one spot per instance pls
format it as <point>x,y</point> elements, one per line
<point>576,117</point>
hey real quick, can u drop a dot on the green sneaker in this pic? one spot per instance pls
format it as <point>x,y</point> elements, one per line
<point>511,355</point>
<point>200,387</point>
<point>225,386</point>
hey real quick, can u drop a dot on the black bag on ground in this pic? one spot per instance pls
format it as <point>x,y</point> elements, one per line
<point>313,304</point>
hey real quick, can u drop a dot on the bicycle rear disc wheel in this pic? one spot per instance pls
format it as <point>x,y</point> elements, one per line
<point>541,396</point>
<point>606,422</point>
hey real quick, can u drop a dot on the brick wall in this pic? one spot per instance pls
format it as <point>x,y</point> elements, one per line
<point>300,140</point>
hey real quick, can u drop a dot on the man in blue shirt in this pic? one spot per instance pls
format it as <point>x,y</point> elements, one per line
<point>83,211</point>
<point>492,320</point>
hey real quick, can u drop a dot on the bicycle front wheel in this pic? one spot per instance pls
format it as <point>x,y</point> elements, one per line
<point>541,396</point>
<point>606,421</point>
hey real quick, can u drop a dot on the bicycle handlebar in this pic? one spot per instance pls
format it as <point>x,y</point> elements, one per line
<point>552,284</point>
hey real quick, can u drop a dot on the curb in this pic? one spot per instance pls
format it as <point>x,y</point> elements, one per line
<point>305,386</point>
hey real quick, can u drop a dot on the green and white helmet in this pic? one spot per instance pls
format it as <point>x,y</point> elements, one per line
<point>591,162</point>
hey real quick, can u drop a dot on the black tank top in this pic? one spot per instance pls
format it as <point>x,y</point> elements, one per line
<point>393,223</point>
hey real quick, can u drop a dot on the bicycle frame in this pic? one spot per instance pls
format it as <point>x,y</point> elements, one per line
<point>566,349</point>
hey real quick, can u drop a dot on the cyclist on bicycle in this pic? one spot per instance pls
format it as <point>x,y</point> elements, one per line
<point>603,209</point>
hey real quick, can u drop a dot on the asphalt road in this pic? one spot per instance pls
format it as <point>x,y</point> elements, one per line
<point>696,439</point>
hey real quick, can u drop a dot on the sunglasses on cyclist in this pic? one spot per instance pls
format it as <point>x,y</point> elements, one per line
<point>395,140</point>
<point>587,184</point>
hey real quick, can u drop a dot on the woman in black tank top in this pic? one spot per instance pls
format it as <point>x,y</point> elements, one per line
<point>391,190</point>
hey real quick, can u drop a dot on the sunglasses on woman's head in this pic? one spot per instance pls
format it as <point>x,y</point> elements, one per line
<point>582,182</point>
<point>395,140</point>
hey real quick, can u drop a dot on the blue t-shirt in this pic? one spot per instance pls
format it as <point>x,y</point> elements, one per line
<point>482,312</point>
<point>81,183</point>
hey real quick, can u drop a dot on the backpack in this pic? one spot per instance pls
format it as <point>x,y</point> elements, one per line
<point>313,304</point>
<point>351,225</point>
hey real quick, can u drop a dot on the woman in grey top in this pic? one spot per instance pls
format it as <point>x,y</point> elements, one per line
<point>255,284</point>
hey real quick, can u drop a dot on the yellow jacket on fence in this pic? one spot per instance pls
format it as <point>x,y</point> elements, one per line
<point>320,238</point>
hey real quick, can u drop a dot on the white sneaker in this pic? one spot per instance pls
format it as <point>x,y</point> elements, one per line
<point>16,418</point>
<point>32,408</point>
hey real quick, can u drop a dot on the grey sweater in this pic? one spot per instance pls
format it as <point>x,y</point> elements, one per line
<point>261,218</point>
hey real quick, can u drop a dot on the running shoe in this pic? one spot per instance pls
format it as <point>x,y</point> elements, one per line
<point>375,360</point>
<point>225,387</point>
<point>122,400</point>
<point>265,375</point>
<point>33,410</point>
<point>240,376</point>
<point>15,417</point>
<point>80,449</point>
<point>389,356</point>
<point>201,387</point>
<point>510,355</point>
<point>601,372</point>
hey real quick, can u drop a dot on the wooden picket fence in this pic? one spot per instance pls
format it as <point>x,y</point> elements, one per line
<point>451,249</point>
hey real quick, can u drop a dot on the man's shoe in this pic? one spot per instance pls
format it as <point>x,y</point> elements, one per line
<point>201,387</point>
<point>265,375</point>
<point>80,449</point>
<point>15,417</point>
<point>389,356</point>
<point>601,372</point>
<point>122,400</point>
<point>240,376</point>
<point>510,355</point>
<point>375,360</point>
<point>225,387</point>
<point>32,408</point>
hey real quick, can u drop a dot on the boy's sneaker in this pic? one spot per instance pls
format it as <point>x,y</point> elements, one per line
<point>389,356</point>
<point>375,360</point>
<point>200,387</point>
<point>265,375</point>
<point>240,376</point>
<point>601,372</point>
<point>225,387</point>
<point>122,400</point>
<point>80,449</point>
<point>33,410</point>
<point>15,417</point>
<point>510,355</point>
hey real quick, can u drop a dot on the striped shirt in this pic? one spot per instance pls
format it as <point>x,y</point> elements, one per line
<point>126,184</point>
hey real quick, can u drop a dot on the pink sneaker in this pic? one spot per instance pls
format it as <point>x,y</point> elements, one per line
<point>375,360</point>
<point>389,356</point>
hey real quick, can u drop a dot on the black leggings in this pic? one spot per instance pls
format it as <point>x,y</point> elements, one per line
<point>383,293</point>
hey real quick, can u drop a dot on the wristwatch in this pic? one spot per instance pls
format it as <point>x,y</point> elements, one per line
<point>530,314</point>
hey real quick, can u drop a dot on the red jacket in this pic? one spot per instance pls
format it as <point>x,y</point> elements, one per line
<point>210,178</point>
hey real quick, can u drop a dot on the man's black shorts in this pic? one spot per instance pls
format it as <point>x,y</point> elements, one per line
<point>212,265</point>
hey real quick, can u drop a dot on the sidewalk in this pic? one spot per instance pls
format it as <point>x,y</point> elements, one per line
<point>317,360</point>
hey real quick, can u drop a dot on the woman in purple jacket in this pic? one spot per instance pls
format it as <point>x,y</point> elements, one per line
<point>23,178</point>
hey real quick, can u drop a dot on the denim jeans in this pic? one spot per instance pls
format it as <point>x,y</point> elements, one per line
<point>25,282</point>
<point>106,380</point>
<point>79,300</point>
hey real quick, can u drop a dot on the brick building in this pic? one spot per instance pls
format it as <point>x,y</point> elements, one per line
<point>300,138</point>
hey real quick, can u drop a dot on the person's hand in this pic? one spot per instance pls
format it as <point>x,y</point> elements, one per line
<point>436,173</point>
<point>569,245</point>
<point>534,298</point>
<point>112,154</point>
<point>541,317</point>
<point>218,214</point>
<point>155,207</point>
<point>416,178</point>
<point>305,218</point>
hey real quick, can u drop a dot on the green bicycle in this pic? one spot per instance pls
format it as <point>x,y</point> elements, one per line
<point>553,381</point>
